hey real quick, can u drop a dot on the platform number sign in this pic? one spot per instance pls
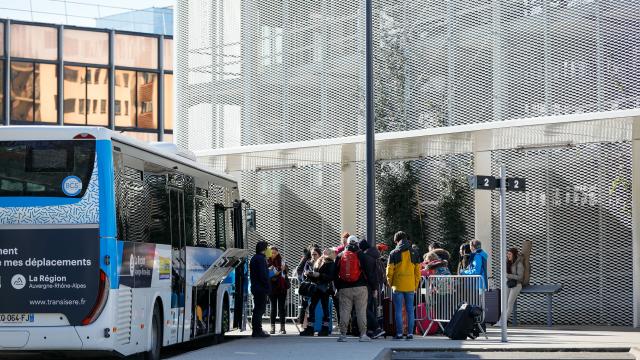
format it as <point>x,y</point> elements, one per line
<point>516,184</point>
<point>482,182</point>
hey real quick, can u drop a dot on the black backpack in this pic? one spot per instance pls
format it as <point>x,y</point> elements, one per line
<point>465,323</point>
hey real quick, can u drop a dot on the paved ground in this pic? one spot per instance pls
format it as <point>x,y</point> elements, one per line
<point>291,346</point>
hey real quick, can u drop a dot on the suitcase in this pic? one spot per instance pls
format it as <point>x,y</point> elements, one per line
<point>464,323</point>
<point>317,324</point>
<point>388,313</point>
<point>423,325</point>
<point>492,306</point>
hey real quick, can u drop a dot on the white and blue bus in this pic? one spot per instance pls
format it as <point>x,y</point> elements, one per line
<point>112,245</point>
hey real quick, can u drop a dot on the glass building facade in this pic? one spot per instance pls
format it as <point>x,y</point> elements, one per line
<point>64,75</point>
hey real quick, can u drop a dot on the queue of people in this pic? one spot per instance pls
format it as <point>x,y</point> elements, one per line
<point>352,275</point>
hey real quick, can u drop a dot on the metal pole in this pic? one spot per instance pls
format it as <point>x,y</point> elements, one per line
<point>370,129</point>
<point>161,94</point>
<point>60,71</point>
<point>7,73</point>
<point>503,253</point>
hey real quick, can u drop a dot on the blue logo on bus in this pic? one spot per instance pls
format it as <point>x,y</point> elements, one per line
<point>72,185</point>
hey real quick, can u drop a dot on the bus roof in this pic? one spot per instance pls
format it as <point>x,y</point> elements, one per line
<point>33,132</point>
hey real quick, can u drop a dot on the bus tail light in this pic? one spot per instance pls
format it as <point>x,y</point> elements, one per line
<point>84,136</point>
<point>101,300</point>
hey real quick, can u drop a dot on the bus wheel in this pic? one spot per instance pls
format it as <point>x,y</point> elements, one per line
<point>156,335</point>
<point>225,324</point>
<point>226,318</point>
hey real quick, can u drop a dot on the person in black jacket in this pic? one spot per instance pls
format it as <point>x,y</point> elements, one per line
<point>354,293</point>
<point>260,288</point>
<point>322,275</point>
<point>374,330</point>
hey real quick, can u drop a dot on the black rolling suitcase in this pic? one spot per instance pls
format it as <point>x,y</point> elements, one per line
<point>464,323</point>
<point>492,306</point>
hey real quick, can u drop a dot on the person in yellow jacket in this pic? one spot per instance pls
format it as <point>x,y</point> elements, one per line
<point>403,275</point>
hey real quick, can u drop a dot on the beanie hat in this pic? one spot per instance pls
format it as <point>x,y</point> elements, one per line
<point>261,246</point>
<point>352,240</point>
<point>364,244</point>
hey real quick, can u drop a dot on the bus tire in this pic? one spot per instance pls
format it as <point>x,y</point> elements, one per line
<point>225,323</point>
<point>156,335</point>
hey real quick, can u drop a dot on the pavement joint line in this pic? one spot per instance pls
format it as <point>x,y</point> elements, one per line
<point>524,350</point>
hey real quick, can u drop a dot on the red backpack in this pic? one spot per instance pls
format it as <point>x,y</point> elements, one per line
<point>349,267</point>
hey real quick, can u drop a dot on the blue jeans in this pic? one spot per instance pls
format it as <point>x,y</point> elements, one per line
<point>398,298</point>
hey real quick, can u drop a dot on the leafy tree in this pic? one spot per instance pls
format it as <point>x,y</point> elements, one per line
<point>452,227</point>
<point>398,208</point>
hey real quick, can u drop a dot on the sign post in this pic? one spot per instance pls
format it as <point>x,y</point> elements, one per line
<point>503,254</point>
<point>503,184</point>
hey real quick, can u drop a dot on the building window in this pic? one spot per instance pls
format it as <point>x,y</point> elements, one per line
<point>34,92</point>
<point>126,96</point>
<point>168,101</point>
<point>271,45</point>
<point>1,39</point>
<point>117,107</point>
<point>34,42</point>
<point>136,51</point>
<point>168,54</point>
<point>103,106</point>
<point>69,107</point>
<point>147,90</point>
<point>78,84</point>
<point>91,47</point>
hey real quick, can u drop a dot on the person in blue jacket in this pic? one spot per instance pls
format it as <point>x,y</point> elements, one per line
<point>260,287</point>
<point>478,262</point>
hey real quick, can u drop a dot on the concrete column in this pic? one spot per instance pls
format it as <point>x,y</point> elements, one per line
<point>482,198</point>
<point>635,211</point>
<point>482,201</point>
<point>348,194</point>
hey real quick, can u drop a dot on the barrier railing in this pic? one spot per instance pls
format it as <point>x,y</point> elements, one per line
<point>442,295</point>
<point>292,304</point>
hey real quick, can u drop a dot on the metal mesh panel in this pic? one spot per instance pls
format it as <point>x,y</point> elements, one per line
<point>297,207</point>
<point>576,211</point>
<point>258,72</point>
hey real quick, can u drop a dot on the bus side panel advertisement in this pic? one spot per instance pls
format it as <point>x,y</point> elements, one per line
<point>49,271</point>
<point>137,264</point>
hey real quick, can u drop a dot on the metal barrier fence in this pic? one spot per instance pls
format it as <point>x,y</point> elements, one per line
<point>442,295</point>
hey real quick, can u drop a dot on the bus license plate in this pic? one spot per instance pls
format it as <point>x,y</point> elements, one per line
<point>16,318</point>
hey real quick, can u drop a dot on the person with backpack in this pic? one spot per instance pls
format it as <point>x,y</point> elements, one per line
<point>354,274</point>
<point>478,264</point>
<point>260,287</point>
<point>374,330</point>
<point>515,275</point>
<point>403,274</point>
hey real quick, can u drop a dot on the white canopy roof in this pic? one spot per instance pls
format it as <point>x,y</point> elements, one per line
<point>528,133</point>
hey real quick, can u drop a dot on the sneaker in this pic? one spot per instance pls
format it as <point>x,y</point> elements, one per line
<point>410,337</point>
<point>378,333</point>
<point>397,337</point>
<point>342,338</point>
<point>365,338</point>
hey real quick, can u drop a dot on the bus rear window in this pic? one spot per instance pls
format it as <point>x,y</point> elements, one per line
<point>54,168</point>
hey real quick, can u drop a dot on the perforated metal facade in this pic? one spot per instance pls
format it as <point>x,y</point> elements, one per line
<point>269,72</point>
<point>577,213</point>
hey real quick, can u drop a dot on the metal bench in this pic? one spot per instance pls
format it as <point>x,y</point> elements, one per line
<point>549,290</point>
